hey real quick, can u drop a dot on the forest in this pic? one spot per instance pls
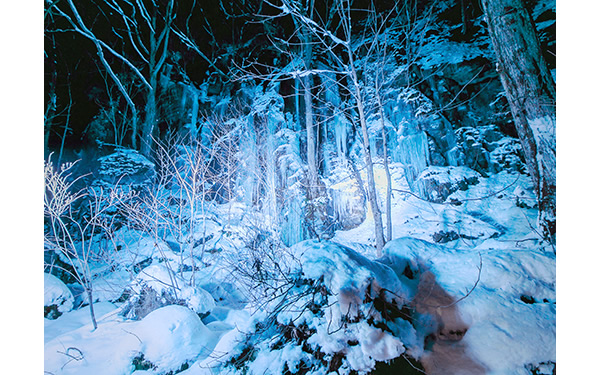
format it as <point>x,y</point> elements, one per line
<point>299,187</point>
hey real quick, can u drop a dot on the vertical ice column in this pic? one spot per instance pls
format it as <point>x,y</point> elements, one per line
<point>273,122</point>
<point>339,124</point>
<point>249,162</point>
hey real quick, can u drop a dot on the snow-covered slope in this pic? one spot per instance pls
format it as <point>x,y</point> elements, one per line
<point>480,302</point>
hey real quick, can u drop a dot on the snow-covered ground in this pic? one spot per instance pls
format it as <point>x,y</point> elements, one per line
<point>479,301</point>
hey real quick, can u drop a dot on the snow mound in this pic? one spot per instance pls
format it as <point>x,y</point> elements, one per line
<point>172,336</point>
<point>58,299</point>
<point>339,311</point>
<point>166,340</point>
<point>74,320</point>
<point>346,273</point>
<point>108,350</point>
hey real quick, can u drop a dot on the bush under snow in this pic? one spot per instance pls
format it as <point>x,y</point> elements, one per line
<point>158,285</point>
<point>339,311</point>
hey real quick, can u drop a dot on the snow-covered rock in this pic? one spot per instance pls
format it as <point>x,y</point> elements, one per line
<point>58,299</point>
<point>345,272</point>
<point>125,167</point>
<point>435,184</point>
<point>507,154</point>
<point>487,150</point>
<point>472,154</point>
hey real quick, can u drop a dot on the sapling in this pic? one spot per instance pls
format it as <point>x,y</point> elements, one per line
<point>76,221</point>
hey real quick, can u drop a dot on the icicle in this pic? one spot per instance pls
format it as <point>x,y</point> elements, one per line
<point>413,152</point>
<point>248,158</point>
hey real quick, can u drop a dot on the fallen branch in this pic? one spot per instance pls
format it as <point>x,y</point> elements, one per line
<point>458,202</point>
<point>472,289</point>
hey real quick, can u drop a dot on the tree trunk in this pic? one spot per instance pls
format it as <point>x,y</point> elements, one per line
<point>311,157</point>
<point>66,128</point>
<point>307,51</point>
<point>134,127</point>
<point>372,193</point>
<point>388,190</point>
<point>149,121</point>
<point>531,94</point>
<point>463,17</point>
<point>159,43</point>
<point>50,109</point>
<point>379,239</point>
<point>91,301</point>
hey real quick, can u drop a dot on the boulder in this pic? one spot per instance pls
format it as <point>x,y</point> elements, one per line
<point>473,154</point>
<point>435,184</point>
<point>487,150</point>
<point>173,336</point>
<point>507,155</point>
<point>125,167</point>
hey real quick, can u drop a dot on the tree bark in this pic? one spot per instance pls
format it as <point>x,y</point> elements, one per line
<point>386,166</point>
<point>531,94</point>
<point>91,301</point>
<point>159,43</point>
<point>372,192</point>
<point>356,85</point>
<point>150,119</point>
<point>379,239</point>
<point>307,51</point>
<point>50,109</point>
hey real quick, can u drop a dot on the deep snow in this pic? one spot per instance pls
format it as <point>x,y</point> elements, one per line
<point>483,302</point>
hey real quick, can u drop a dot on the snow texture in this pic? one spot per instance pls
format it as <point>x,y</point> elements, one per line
<point>173,335</point>
<point>512,308</point>
<point>57,294</point>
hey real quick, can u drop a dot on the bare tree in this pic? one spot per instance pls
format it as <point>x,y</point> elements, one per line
<point>143,29</point>
<point>191,175</point>
<point>78,25</point>
<point>531,94</point>
<point>112,111</point>
<point>75,236</point>
<point>374,70</point>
